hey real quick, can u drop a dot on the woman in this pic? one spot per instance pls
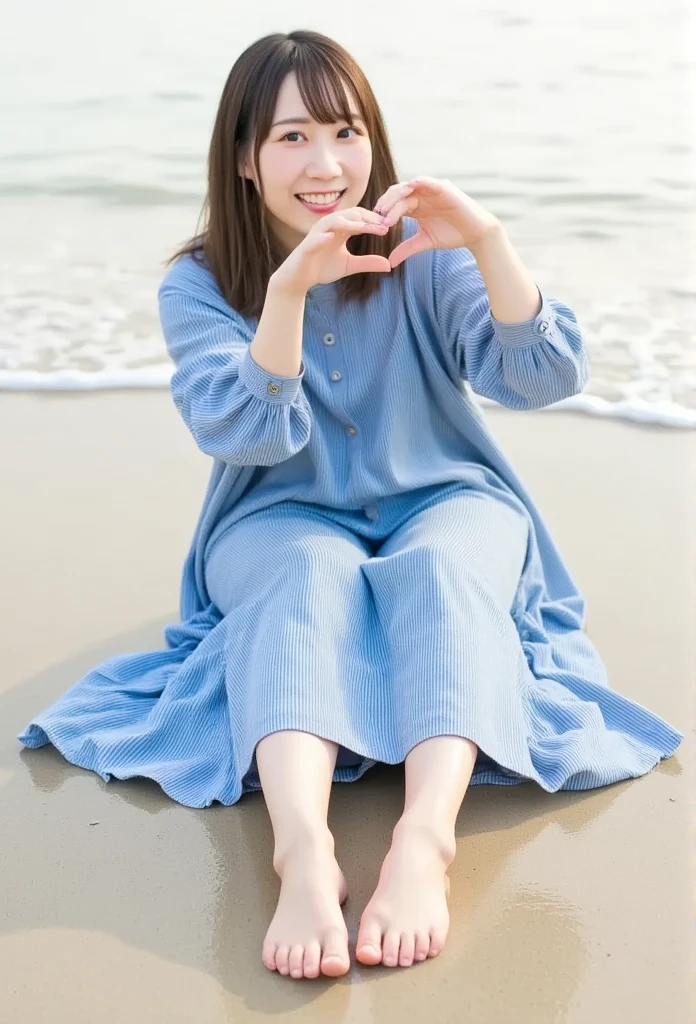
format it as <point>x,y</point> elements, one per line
<point>369,580</point>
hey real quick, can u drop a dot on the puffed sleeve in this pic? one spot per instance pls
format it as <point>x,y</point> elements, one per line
<point>527,365</point>
<point>236,411</point>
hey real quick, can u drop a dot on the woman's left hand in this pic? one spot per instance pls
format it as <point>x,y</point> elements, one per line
<point>447,217</point>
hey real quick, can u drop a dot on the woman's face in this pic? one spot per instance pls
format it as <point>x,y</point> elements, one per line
<point>316,161</point>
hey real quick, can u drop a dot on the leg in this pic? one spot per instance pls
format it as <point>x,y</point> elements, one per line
<point>305,649</point>
<point>454,656</point>
<point>308,934</point>
<point>291,579</point>
<point>407,917</point>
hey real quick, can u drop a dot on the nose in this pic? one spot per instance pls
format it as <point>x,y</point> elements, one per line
<point>324,164</point>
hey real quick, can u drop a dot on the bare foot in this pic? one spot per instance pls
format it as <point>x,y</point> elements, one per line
<point>308,934</point>
<point>407,918</point>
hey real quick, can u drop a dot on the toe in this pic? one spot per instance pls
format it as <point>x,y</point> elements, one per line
<point>295,961</point>
<point>390,949</point>
<point>335,958</point>
<point>422,946</point>
<point>407,950</point>
<point>312,959</point>
<point>437,942</point>
<point>268,955</point>
<point>368,949</point>
<point>282,957</point>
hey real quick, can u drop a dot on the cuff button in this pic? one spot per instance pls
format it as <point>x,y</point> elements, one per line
<point>273,389</point>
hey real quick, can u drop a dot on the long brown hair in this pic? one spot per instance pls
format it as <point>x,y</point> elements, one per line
<point>235,241</point>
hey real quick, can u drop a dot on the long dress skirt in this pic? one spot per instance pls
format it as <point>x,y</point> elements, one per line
<point>379,634</point>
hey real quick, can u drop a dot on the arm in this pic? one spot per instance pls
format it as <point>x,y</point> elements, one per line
<point>512,293</point>
<point>510,342</point>
<point>239,393</point>
<point>534,354</point>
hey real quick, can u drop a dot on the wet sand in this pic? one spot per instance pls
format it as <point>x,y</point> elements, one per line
<point>119,904</point>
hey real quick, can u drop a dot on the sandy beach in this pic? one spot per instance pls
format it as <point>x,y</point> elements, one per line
<point>122,905</point>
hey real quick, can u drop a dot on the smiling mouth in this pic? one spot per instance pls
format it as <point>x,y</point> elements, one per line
<point>320,200</point>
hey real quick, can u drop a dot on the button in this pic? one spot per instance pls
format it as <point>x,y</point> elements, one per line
<point>544,326</point>
<point>273,389</point>
<point>329,339</point>
<point>372,512</point>
<point>352,431</point>
<point>336,375</point>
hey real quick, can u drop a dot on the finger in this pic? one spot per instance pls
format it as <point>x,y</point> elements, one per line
<point>356,213</point>
<point>412,245</point>
<point>400,209</point>
<point>425,182</point>
<point>367,264</point>
<point>391,196</point>
<point>432,186</point>
<point>358,227</point>
<point>394,193</point>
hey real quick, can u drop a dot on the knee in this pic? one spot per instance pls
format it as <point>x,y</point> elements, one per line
<point>436,560</point>
<point>329,564</point>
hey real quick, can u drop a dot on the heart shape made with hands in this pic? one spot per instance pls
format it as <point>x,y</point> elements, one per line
<point>447,217</point>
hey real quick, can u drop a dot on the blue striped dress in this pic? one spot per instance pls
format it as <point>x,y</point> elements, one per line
<point>367,566</point>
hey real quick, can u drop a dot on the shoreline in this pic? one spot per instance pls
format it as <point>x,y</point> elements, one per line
<point>157,378</point>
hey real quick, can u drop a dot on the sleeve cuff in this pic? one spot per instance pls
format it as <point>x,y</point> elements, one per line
<point>269,386</point>
<point>529,332</point>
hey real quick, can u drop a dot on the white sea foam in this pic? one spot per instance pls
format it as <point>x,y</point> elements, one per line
<point>81,380</point>
<point>636,410</point>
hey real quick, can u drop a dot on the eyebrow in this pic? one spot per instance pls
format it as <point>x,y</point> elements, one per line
<point>308,120</point>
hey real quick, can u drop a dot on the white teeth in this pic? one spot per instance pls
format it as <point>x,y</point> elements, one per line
<point>319,200</point>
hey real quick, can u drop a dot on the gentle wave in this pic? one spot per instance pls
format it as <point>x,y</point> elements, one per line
<point>83,380</point>
<point>42,156</point>
<point>635,410</point>
<point>681,193</point>
<point>108,191</point>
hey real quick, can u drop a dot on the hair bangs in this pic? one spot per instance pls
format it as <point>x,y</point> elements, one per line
<point>323,89</point>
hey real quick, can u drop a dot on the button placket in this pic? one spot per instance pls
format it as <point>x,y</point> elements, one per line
<point>335,375</point>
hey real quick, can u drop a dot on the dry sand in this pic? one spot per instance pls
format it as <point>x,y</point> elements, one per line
<point>565,907</point>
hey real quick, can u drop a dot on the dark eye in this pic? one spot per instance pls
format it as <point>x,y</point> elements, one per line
<point>352,128</point>
<point>288,134</point>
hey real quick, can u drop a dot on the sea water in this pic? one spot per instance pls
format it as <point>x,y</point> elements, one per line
<point>569,122</point>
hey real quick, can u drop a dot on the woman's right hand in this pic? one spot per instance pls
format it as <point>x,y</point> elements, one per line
<point>322,256</point>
